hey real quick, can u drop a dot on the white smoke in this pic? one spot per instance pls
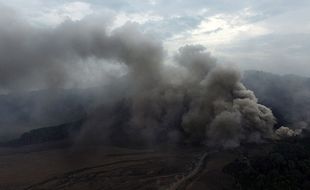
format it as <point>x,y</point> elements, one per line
<point>285,132</point>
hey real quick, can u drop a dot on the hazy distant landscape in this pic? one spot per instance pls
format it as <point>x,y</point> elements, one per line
<point>154,95</point>
<point>36,109</point>
<point>55,145</point>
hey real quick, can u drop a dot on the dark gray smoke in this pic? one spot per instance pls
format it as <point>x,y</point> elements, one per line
<point>221,109</point>
<point>195,99</point>
<point>36,58</point>
<point>287,95</point>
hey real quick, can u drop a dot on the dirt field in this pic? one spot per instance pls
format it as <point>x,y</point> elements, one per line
<point>101,167</point>
<point>108,167</point>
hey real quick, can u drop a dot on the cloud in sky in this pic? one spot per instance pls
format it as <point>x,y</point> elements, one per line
<point>265,35</point>
<point>73,11</point>
<point>221,29</point>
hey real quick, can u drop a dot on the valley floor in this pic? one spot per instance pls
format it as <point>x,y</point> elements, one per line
<point>108,167</point>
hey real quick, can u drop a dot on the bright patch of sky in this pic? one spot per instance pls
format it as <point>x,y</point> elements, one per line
<point>265,35</point>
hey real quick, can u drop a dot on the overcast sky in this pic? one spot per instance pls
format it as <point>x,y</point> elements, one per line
<point>265,35</point>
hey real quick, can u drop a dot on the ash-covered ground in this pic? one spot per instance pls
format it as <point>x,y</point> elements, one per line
<point>50,166</point>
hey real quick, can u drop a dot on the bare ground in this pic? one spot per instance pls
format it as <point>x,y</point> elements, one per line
<point>101,167</point>
<point>113,168</point>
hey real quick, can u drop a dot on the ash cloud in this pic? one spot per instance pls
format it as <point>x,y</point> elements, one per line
<point>206,104</point>
<point>222,111</point>
<point>287,95</point>
<point>33,58</point>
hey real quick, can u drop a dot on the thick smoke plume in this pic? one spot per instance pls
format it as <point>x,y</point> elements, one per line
<point>287,95</point>
<point>193,99</point>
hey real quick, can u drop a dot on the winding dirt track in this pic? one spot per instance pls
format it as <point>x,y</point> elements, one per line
<point>103,168</point>
<point>157,170</point>
<point>149,173</point>
<point>191,176</point>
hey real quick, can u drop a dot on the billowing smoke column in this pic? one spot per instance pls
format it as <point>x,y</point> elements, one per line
<point>221,110</point>
<point>194,100</point>
<point>209,103</point>
<point>289,98</point>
